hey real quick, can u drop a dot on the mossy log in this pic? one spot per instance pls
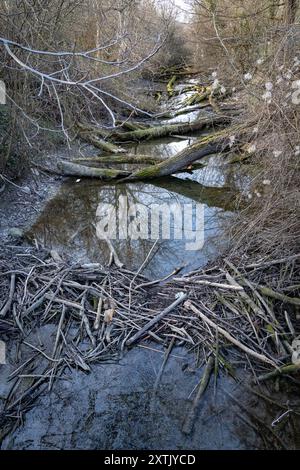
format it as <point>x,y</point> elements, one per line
<point>74,169</point>
<point>171,129</point>
<point>170,86</point>
<point>129,158</point>
<point>214,143</point>
<point>184,110</point>
<point>131,126</point>
<point>209,145</point>
<point>107,147</point>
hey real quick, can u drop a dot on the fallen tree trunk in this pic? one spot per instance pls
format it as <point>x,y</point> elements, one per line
<point>209,145</point>
<point>107,147</point>
<point>132,125</point>
<point>170,129</point>
<point>119,159</point>
<point>73,169</point>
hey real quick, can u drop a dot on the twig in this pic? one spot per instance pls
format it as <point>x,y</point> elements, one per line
<point>189,420</point>
<point>7,306</point>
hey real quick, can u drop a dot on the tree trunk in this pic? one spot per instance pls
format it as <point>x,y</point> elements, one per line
<point>214,143</point>
<point>119,159</point>
<point>107,147</point>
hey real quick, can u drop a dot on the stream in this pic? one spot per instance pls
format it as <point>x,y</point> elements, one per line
<point>113,407</point>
